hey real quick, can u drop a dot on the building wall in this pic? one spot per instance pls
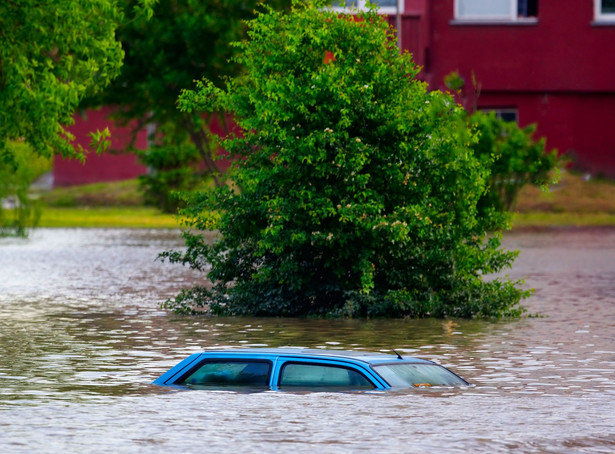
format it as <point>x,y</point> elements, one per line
<point>557,71</point>
<point>117,164</point>
<point>578,125</point>
<point>562,51</point>
<point>111,166</point>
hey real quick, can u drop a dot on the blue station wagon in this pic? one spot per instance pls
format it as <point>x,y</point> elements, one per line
<point>305,369</point>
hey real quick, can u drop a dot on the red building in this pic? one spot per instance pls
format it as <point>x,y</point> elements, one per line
<point>116,164</point>
<point>112,166</point>
<point>548,62</point>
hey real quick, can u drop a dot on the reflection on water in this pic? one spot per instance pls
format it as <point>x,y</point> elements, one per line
<point>82,337</point>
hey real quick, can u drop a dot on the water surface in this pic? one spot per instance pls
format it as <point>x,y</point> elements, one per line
<point>82,336</point>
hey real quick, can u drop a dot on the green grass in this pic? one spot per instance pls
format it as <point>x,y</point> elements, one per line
<point>573,194</point>
<point>548,219</point>
<point>126,217</point>
<point>575,201</point>
<point>116,193</point>
<point>113,204</point>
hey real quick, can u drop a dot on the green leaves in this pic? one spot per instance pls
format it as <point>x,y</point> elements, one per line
<point>357,189</point>
<point>169,44</point>
<point>51,56</point>
<point>514,157</point>
<point>19,167</point>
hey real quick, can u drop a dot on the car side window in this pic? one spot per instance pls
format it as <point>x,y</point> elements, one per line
<point>303,375</point>
<point>229,373</point>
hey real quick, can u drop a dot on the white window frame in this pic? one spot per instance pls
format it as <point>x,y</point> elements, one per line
<point>599,15</point>
<point>360,5</point>
<point>512,15</point>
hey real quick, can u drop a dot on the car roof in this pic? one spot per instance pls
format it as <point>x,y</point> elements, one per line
<point>356,355</point>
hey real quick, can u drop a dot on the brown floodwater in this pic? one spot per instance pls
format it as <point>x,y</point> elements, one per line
<point>82,336</point>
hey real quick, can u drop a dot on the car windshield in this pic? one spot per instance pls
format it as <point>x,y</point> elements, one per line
<point>418,374</point>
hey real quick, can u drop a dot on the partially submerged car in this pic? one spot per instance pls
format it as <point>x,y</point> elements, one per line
<point>305,369</point>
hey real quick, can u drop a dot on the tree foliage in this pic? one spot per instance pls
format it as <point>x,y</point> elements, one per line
<point>52,54</point>
<point>20,212</point>
<point>514,157</point>
<point>177,173</point>
<point>355,191</point>
<point>184,40</point>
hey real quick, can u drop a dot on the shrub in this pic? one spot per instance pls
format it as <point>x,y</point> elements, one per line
<point>19,167</point>
<point>514,158</point>
<point>355,189</point>
<point>173,169</point>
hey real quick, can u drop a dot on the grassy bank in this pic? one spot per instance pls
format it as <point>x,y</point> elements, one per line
<point>574,201</point>
<point>114,204</point>
<point>113,194</point>
<point>126,217</point>
<point>541,220</point>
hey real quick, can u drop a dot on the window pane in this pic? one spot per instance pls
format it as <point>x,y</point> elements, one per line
<point>348,3</point>
<point>484,8</point>
<point>230,373</point>
<point>385,3</point>
<point>321,376</point>
<point>527,8</point>
<point>507,115</point>
<point>608,6</point>
<point>353,3</point>
<point>406,375</point>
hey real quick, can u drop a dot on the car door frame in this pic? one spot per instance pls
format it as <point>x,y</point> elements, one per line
<point>363,369</point>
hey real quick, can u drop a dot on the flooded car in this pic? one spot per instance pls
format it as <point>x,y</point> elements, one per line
<point>305,369</point>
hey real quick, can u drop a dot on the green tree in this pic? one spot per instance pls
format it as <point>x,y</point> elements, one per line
<point>356,189</point>
<point>176,173</point>
<point>511,153</point>
<point>52,54</point>
<point>184,40</point>
<point>514,157</point>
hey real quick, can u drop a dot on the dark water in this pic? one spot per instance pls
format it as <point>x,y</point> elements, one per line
<point>82,336</point>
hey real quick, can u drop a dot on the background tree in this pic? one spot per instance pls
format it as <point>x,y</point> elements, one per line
<point>356,189</point>
<point>21,212</point>
<point>515,159</point>
<point>184,40</point>
<point>52,54</point>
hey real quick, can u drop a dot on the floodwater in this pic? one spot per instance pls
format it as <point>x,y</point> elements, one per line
<point>82,336</point>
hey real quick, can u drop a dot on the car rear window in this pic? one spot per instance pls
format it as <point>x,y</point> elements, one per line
<point>418,374</point>
<point>222,373</point>
<point>301,375</point>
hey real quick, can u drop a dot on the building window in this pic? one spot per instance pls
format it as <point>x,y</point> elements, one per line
<point>496,10</point>
<point>506,114</point>
<point>605,10</point>
<point>384,6</point>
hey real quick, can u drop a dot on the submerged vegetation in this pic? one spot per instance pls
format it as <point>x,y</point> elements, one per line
<point>19,167</point>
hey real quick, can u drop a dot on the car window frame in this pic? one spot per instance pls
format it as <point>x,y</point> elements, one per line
<point>365,372</point>
<point>179,381</point>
